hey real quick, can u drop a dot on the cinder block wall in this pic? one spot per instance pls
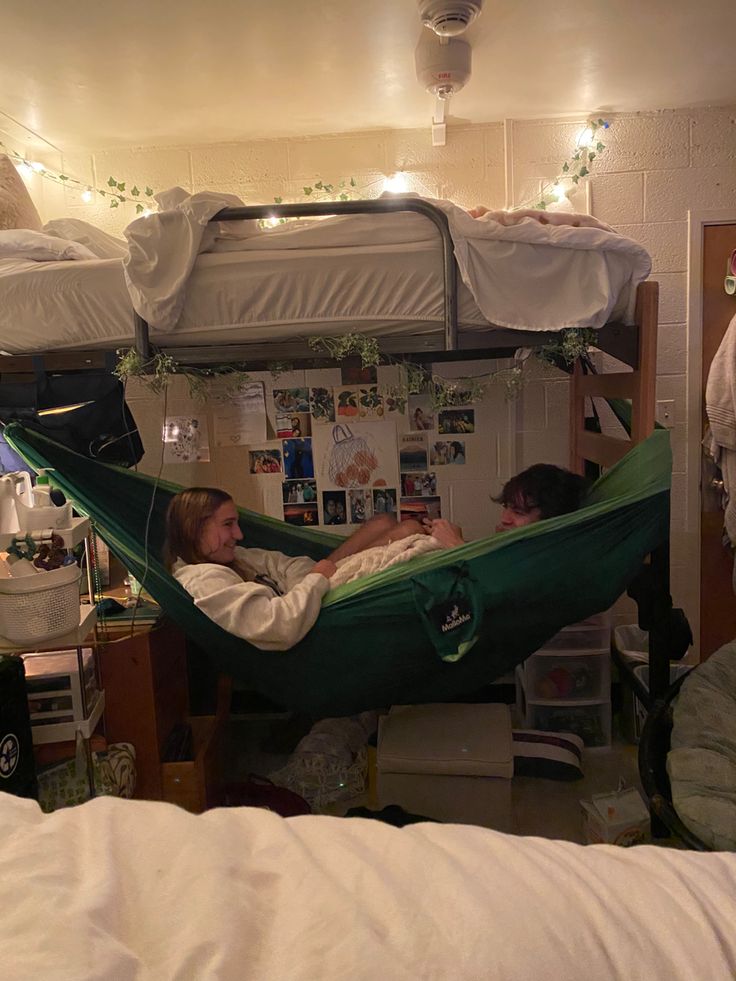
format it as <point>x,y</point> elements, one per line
<point>656,166</point>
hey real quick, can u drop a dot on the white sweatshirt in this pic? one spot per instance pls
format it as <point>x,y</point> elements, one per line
<point>251,610</point>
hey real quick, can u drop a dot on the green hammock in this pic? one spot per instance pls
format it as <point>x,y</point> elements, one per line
<point>385,639</point>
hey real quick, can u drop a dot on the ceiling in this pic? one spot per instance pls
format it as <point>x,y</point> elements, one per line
<point>142,73</point>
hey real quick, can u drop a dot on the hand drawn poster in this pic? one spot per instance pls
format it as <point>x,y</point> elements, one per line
<point>239,417</point>
<point>186,440</point>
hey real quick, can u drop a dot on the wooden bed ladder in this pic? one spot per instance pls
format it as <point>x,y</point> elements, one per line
<point>639,386</point>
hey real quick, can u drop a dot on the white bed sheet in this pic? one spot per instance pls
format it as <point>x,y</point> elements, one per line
<point>128,890</point>
<point>381,274</point>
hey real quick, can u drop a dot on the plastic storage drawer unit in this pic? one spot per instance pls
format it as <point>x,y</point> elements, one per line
<point>591,721</point>
<point>568,675</point>
<point>591,634</point>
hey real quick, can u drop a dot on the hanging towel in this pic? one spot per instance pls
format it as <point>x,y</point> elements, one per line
<point>720,406</point>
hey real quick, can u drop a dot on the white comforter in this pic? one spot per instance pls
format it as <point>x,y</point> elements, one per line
<point>125,890</point>
<point>495,259</point>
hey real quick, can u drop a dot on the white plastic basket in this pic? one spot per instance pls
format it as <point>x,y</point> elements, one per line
<point>37,608</point>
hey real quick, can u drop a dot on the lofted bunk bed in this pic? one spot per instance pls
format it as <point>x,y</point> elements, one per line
<point>430,282</point>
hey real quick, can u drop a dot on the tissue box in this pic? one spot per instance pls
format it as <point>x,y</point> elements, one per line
<point>619,818</point>
<point>448,762</point>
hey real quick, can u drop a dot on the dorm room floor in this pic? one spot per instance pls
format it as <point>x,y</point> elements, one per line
<point>540,807</point>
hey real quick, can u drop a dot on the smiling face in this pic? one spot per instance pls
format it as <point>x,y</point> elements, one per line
<point>220,534</point>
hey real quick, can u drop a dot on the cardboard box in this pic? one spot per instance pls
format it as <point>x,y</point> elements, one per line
<point>618,818</point>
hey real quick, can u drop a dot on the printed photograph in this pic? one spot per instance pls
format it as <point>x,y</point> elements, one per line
<point>294,426</point>
<point>264,461</point>
<point>346,403</point>
<point>298,462</point>
<point>289,401</point>
<point>456,421</point>
<point>370,403</point>
<point>412,452</point>
<point>299,491</point>
<point>301,514</point>
<point>418,484</point>
<point>446,451</point>
<point>333,508</point>
<point>420,507</point>
<point>322,404</point>
<point>421,413</point>
<point>384,500</point>
<point>359,506</point>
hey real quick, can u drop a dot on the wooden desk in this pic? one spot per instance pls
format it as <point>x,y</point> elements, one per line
<point>144,674</point>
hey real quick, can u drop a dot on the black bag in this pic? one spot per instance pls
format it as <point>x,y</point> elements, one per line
<point>97,422</point>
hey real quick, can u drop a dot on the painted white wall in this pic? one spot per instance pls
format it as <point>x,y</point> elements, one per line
<point>656,167</point>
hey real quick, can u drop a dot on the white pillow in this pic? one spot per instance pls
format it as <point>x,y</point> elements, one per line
<point>16,208</point>
<point>20,243</point>
<point>102,244</point>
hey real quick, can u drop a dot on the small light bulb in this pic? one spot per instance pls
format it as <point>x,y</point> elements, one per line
<point>584,138</point>
<point>87,196</point>
<point>396,184</point>
<point>271,222</point>
<point>560,193</point>
<point>24,170</point>
<point>146,212</point>
<point>38,167</point>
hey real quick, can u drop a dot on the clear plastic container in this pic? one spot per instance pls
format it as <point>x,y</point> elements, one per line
<point>595,632</point>
<point>633,711</point>
<point>568,675</point>
<point>591,721</point>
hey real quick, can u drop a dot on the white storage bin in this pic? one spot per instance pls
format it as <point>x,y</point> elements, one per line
<point>632,643</point>
<point>56,693</point>
<point>590,634</point>
<point>37,608</point>
<point>591,721</point>
<point>450,762</point>
<point>568,675</point>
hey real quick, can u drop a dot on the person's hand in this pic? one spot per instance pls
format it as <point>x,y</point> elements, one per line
<point>325,567</point>
<point>444,531</point>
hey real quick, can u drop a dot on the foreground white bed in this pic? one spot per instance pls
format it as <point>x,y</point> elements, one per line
<point>124,890</point>
<point>379,273</point>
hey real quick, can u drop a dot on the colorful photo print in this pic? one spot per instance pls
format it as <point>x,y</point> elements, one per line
<point>418,484</point>
<point>294,426</point>
<point>421,413</point>
<point>412,452</point>
<point>394,401</point>
<point>185,440</point>
<point>289,401</point>
<point>356,374</point>
<point>370,403</point>
<point>384,500</point>
<point>322,404</point>
<point>446,451</point>
<point>359,506</point>
<point>301,514</point>
<point>298,462</point>
<point>346,403</point>
<point>420,508</point>
<point>300,491</point>
<point>264,461</point>
<point>334,511</point>
<point>456,421</point>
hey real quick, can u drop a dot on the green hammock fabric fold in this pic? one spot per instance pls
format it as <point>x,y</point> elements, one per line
<point>372,645</point>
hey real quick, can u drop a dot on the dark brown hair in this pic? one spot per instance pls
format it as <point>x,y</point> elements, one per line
<point>552,489</point>
<point>185,516</point>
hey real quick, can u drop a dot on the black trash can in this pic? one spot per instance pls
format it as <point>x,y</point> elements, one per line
<point>17,764</point>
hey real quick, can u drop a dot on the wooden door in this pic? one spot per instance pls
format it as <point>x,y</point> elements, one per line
<point>717,599</point>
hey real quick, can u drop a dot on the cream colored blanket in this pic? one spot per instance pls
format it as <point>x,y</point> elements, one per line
<point>382,557</point>
<point>143,891</point>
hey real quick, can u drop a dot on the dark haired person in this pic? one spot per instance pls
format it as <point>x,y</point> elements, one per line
<point>539,492</point>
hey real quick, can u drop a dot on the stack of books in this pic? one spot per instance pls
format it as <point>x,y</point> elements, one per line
<point>138,614</point>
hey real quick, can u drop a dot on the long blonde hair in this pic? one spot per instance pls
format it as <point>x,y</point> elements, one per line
<point>185,517</point>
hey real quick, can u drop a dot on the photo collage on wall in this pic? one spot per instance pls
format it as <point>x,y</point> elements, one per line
<point>337,460</point>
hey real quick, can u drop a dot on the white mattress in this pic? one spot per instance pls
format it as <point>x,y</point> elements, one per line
<point>379,274</point>
<point>143,891</point>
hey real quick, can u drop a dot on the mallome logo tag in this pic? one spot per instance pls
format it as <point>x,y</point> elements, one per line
<point>9,754</point>
<point>455,619</point>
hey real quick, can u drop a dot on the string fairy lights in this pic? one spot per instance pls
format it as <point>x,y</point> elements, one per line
<point>115,194</point>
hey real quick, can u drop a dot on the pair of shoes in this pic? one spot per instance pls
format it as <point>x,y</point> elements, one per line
<point>261,792</point>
